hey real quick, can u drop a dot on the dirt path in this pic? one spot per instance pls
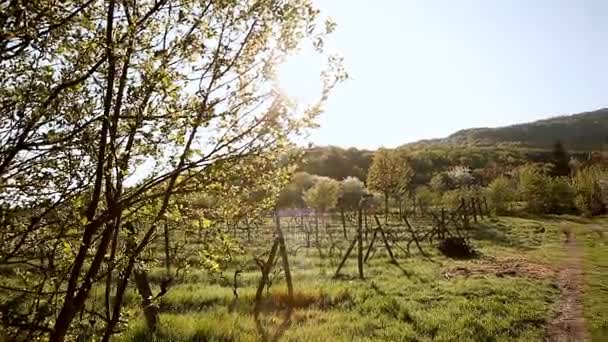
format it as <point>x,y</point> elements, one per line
<point>569,324</point>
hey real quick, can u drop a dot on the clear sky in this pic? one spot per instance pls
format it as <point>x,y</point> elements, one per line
<point>426,68</point>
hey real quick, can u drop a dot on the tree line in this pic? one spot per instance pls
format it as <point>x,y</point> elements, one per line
<point>536,181</point>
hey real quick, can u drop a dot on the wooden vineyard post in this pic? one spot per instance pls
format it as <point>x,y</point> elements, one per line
<point>278,245</point>
<point>371,245</point>
<point>474,209</point>
<point>381,232</point>
<point>413,206</point>
<point>343,261</point>
<point>386,244</point>
<point>265,269</point>
<point>343,222</point>
<point>485,204</point>
<point>360,240</point>
<point>316,228</point>
<point>284,259</point>
<point>442,225</point>
<point>481,211</point>
<point>366,225</point>
<point>414,237</point>
<point>465,214</point>
<point>307,232</point>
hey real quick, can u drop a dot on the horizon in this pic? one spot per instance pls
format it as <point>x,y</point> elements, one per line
<point>464,129</point>
<point>460,66</point>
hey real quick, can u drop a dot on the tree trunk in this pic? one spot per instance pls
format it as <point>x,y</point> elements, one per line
<point>150,309</point>
<point>167,253</point>
<point>360,242</point>
<point>385,208</point>
<point>366,226</point>
<point>400,206</point>
<point>74,303</point>
<point>285,260</point>
<point>343,222</point>
<point>317,228</point>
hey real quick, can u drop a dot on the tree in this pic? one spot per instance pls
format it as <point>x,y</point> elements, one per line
<point>532,188</point>
<point>559,196</point>
<point>500,193</point>
<point>323,196</point>
<point>389,174</point>
<point>460,176</point>
<point>588,192</point>
<point>441,182</point>
<point>352,191</point>
<point>425,197</point>
<point>560,161</point>
<point>292,195</point>
<point>108,109</point>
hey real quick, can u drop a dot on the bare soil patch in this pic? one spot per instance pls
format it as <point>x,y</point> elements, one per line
<point>569,325</point>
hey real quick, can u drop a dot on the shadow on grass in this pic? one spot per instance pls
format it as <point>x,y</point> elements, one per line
<point>199,336</point>
<point>275,301</point>
<point>524,238</point>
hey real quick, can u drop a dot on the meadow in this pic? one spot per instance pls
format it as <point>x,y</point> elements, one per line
<point>508,292</point>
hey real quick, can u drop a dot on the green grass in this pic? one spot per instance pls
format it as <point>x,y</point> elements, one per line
<point>595,291</point>
<point>410,302</point>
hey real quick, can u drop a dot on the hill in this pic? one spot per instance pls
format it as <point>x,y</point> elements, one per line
<point>476,147</point>
<point>586,131</point>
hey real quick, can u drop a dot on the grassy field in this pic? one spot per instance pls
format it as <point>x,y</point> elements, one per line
<point>508,293</point>
<point>595,266</point>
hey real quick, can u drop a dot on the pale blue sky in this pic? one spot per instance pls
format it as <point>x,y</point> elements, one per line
<point>424,69</point>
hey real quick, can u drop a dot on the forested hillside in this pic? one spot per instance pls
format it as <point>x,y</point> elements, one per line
<point>475,147</point>
<point>582,132</point>
<point>426,160</point>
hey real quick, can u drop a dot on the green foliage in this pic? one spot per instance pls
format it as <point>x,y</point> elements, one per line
<point>375,204</point>
<point>452,199</point>
<point>500,193</point>
<point>560,196</point>
<point>425,196</point>
<point>115,117</point>
<point>351,191</point>
<point>323,196</point>
<point>532,187</point>
<point>595,263</point>
<point>389,173</point>
<point>460,176</point>
<point>292,194</point>
<point>586,183</point>
<point>336,163</point>
<point>584,131</point>
<point>544,194</point>
<point>441,182</point>
<point>426,305</point>
<point>560,161</point>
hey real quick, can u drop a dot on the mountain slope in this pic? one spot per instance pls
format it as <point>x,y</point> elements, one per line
<point>583,132</point>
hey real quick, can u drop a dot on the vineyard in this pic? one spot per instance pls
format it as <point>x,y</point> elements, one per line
<point>362,276</point>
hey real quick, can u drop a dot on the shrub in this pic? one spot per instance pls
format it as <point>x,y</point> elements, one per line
<point>453,198</point>
<point>544,194</point>
<point>560,196</point>
<point>588,193</point>
<point>426,197</point>
<point>500,193</point>
<point>460,176</point>
<point>441,182</point>
<point>532,188</point>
